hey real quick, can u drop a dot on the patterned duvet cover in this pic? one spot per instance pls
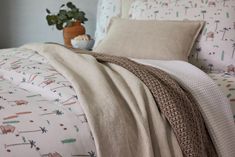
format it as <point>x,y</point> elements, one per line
<point>226,83</point>
<point>40,114</point>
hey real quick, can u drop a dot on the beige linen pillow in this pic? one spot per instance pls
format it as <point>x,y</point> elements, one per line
<point>146,39</point>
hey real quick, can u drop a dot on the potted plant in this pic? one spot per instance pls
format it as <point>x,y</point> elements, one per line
<point>69,19</point>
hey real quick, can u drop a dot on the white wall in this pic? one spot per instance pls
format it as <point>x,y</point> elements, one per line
<point>23,21</point>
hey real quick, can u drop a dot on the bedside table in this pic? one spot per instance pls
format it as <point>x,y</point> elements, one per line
<point>227,85</point>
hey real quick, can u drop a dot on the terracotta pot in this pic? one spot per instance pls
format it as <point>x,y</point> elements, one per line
<point>73,31</point>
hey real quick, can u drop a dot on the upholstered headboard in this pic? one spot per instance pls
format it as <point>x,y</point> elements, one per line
<point>108,9</point>
<point>216,46</point>
<point>126,5</point>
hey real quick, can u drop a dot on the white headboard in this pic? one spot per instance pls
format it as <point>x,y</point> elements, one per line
<point>108,9</point>
<point>126,5</point>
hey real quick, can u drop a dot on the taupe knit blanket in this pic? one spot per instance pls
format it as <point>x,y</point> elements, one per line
<point>177,105</point>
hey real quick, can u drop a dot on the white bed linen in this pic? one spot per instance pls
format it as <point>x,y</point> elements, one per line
<point>40,114</point>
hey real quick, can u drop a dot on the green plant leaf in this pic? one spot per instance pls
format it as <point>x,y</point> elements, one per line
<point>51,19</point>
<point>65,17</point>
<point>62,17</point>
<point>75,10</point>
<point>70,14</point>
<point>60,21</point>
<point>48,11</point>
<point>76,15</point>
<point>85,19</point>
<point>64,12</point>
<point>62,5</point>
<point>59,26</point>
<point>71,5</point>
<point>81,17</point>
<point>82,13</point>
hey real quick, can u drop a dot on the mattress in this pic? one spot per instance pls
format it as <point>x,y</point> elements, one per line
<point>226,83</point>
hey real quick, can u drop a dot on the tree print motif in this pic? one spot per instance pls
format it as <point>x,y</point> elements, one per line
<point>203,13</point>
<point>90,154</point>
<point>43,130</point>
<point>224,32</point>
<point>216,24</point>
<point>156,13</point>
<point>198,50</point>
<point>233,50</point>
<point>186,10</point>
<point>31,143</point>
<point>210,67</point>
<point>56,112</point>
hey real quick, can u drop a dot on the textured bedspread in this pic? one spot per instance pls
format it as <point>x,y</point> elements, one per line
<point>214,106</point>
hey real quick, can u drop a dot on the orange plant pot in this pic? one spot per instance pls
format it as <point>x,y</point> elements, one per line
<point>73,31</point>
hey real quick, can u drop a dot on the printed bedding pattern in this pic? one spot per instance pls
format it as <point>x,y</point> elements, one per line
<point>215,48</point>
<point>37,105</point>
<point>227,85</point>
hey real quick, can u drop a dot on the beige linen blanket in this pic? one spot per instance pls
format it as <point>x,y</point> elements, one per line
<point>108,91</point>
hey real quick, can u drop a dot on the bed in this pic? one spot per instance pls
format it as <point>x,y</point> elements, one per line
<point>55,102</point>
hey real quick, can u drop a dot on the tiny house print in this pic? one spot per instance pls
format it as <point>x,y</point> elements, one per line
<point>215,47</point>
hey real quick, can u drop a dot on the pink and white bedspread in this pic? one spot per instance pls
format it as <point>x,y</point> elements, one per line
<point>40,114</point>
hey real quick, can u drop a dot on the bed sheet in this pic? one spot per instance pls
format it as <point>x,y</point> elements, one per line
<point>40,114</point>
